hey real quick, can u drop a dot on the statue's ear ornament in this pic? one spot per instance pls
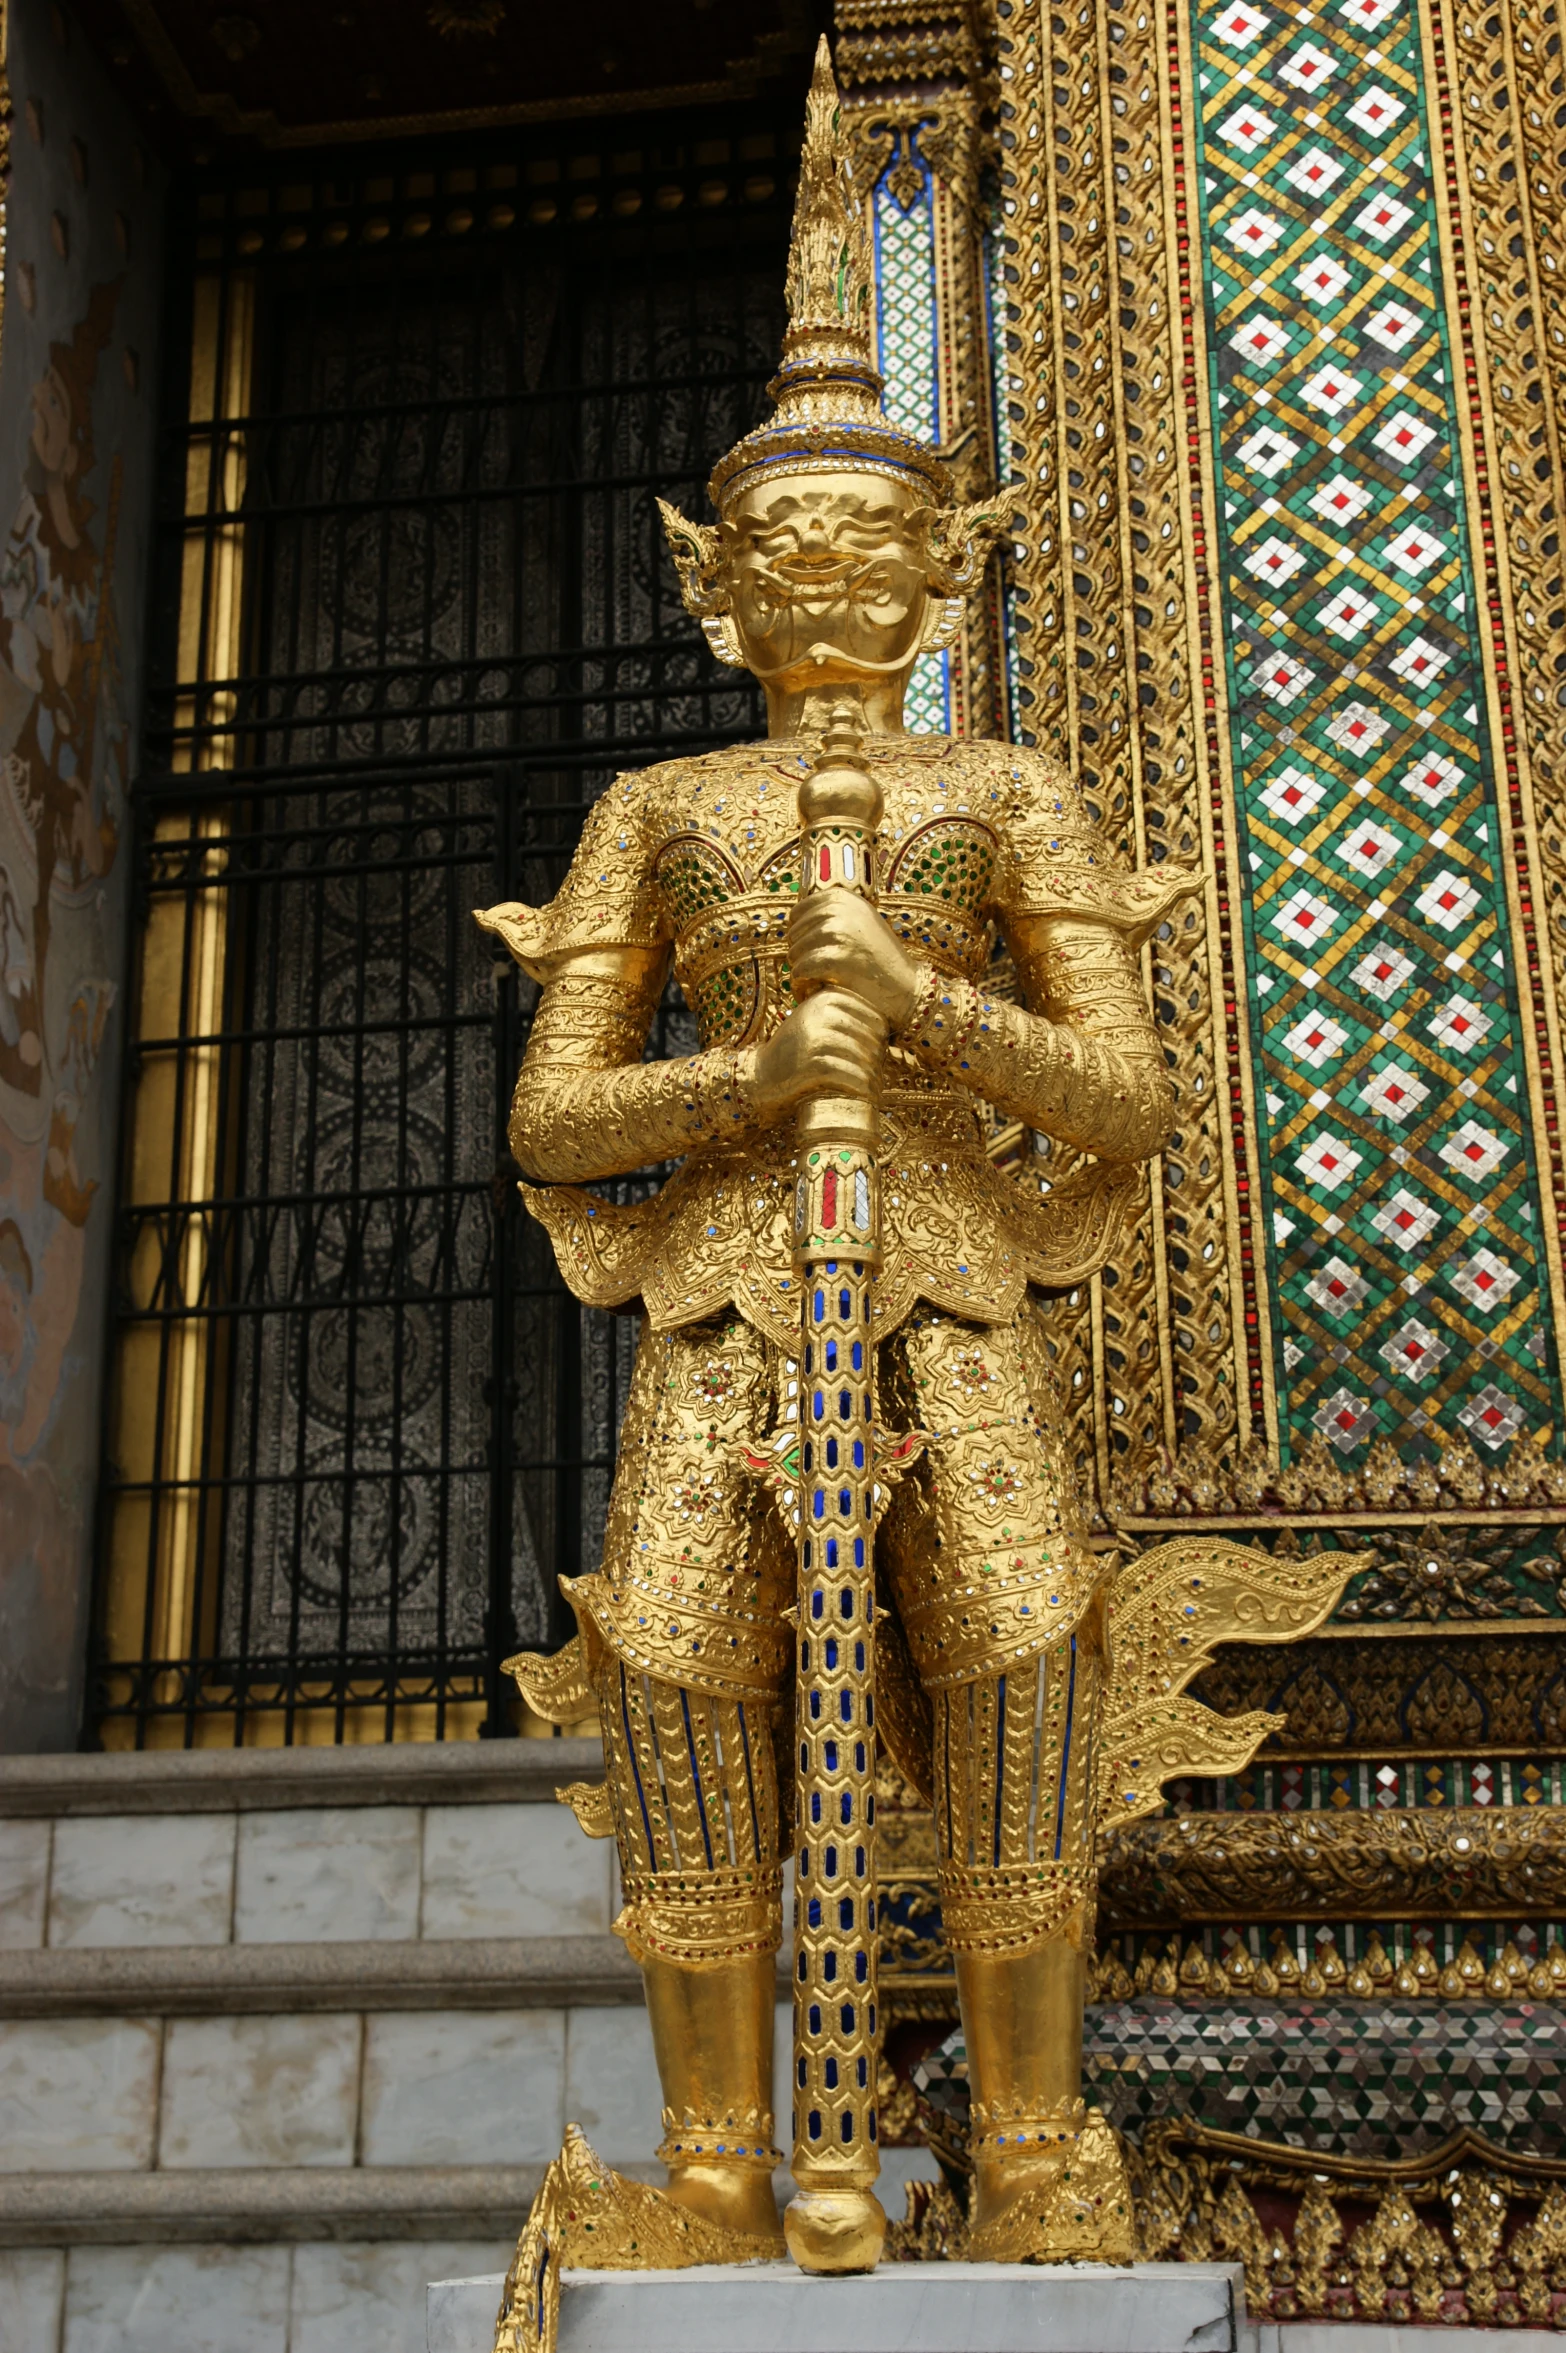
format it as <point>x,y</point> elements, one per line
<point>696,549</point>
<point>959,540</point>
<point>719,631</point>
<point>943,623</point>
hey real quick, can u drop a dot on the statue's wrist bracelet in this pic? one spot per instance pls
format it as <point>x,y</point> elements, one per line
<point>928,987</point>
<point>726,1091</point>
<point>945,1018</point>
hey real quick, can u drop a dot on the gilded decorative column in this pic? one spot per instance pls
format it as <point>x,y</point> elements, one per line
<point>1282,373</point>
<point>918,81</point>
<point>1104,569</point>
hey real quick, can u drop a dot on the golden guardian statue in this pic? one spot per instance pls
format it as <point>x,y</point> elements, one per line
<point>844,1508</point>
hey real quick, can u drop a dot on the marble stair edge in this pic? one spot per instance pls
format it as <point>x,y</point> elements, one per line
<point>271,2206</point>
<point>175,1981</point>
<point>179,1781</point>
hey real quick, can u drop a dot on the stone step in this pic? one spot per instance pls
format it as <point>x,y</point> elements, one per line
<point>272,2090</point>
<point>193,1981</point>
<point>357,2295</point>
<point>305,2204</point>
<point>284,1846</point>
<point>240,2206</point>
<point>228,1780</point>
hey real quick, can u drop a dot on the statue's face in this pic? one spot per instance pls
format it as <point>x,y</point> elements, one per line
<point>828,578</point>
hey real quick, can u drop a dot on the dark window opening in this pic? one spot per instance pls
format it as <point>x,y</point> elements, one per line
<point>412,612</point>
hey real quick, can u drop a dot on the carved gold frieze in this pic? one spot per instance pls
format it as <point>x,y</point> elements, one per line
<point>1387,1692</point>
<point>1372,1976</point>
<point>1469,2233</point>
<point>1243,1481</point>
<point>1393,1863</point>
<point>925,42</point>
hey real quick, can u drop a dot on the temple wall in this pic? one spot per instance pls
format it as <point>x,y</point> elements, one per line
<point>1268,298</point>
<point>83,247</point>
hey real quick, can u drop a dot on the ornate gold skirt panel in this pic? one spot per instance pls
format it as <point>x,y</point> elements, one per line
<point>698,1566</point>
<point>985,1545</point>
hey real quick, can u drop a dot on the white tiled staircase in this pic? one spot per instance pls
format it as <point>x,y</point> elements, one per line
<point>285,2034</point>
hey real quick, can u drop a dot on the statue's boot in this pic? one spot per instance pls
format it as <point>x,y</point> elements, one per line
<point>712,2035</point>
<point>712,2038</point>
<point>1049,2183</point>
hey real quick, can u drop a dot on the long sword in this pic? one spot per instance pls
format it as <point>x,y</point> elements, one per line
<point>836,2223</point>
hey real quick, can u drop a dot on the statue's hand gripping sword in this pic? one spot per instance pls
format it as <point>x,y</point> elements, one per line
<point>836,2223</point>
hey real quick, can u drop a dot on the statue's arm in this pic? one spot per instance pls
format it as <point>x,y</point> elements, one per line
<point>1080,1060</point>
<point>587,1105</point>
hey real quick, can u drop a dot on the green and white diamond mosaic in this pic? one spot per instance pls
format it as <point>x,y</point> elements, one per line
<point>1401,1204</point>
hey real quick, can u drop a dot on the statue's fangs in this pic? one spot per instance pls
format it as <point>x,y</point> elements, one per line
<point>1029,1688</point>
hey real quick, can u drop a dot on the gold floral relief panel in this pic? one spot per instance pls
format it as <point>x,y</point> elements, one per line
<point>1110,653</point>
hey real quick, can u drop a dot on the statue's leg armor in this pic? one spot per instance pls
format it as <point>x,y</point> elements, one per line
<point>992,1512</point>
<point>695,1799</point>
<point>1013,1771</point>
<point>690,1650</point>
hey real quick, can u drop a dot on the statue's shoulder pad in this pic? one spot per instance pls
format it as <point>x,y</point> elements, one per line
<point>695,778</point>
<point>1015,772</point>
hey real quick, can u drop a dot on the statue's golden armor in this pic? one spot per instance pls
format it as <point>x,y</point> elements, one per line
<point>1023,1684</point>
<point>984,1544</point>
<point>695,863</point>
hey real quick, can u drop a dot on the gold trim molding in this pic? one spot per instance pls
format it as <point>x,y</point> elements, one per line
<point>1467,2232</point>
<point>1474,1863</point>
<point>1373,1976</point>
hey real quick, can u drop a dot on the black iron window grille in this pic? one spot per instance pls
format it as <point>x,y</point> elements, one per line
<point>413,613</point>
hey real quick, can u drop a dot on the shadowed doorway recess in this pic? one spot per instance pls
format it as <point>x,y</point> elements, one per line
<point>411,614</point>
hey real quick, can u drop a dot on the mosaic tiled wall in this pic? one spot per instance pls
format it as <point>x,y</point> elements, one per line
<point>907,331</point>
<point>1360,1783</point>
<point>1399,1193</point>
<point>1370,2082</point>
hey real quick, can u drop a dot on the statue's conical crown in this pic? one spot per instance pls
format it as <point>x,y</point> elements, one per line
<point>827,389</point>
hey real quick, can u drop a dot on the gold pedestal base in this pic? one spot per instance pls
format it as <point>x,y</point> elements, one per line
<point>835,2231</point>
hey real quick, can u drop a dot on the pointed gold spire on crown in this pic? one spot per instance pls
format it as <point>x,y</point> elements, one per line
<point>827,388</point>
<point>828,351</point>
